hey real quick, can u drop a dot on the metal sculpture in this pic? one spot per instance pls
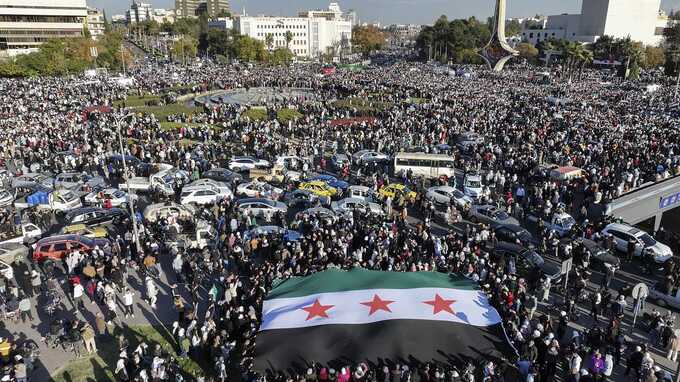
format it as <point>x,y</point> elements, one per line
<point>497,52</point>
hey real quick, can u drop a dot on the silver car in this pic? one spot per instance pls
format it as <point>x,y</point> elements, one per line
<point>491,215</point>
<point>259,207</point>
<point>446,194</point>
<point>348,205</point>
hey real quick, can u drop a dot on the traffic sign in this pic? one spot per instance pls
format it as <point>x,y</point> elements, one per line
<point>640,291</point>
<point>566,265</point>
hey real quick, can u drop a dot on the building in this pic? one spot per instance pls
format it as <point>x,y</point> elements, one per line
<point>313,32</point>
<point>186,8</point>
<point>216,7</point>
<point>641,20</point>
<point>96,24</point>
<point>221,23</point>
<point>138,12</point>
<point>25,24</point>
<point>163,15</point>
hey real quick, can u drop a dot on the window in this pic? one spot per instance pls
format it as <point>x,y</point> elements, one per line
<point>60,247</point>
<point>45,248</point>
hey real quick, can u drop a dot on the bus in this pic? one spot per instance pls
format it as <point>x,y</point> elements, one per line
<point>427,165</point>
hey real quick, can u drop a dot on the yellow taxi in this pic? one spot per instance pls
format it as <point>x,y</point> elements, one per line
<point>319,188</point>
<point>82,229</point>
<point>395,189</point>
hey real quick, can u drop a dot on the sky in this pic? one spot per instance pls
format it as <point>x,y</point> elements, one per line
<point>386,11</point>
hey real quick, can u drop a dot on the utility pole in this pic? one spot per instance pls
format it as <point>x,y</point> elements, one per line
<point>131,204</point>
<point>122,57</point>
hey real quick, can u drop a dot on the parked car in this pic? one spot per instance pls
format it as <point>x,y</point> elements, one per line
<point>319,188</point>
<point>247,163</point>
<point>395,189</point>
<point>287,235</point>
<point>368,156</point>
<point>339,161</point>
<point>623,233</point>
<point>56,247</point>
<point>527,262</point>
<point>349,205</point>
<point>445,194</point>
<point>300,198</point>
<point>72,180</point>
<point>257,189</point>
<point>13,252</point>
<point>154,212</point>
<point>222,175</point>
<point>360,192</point>
<point>95,216</point>
<point>204,194</point>
<point>26,233</point>
<point>321,213</point>
<point>514,233</point>
<point>491,215</point>
<point>332,181</point>
<point>260,207</point>
<point>82,229</point>
<point>43,179</point>
<point>118,198</point>
<point>6,198</point>
<point>600,258</point>
<point>472,186</point>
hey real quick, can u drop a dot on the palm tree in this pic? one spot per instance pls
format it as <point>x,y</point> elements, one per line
<point>269,40</point>
<point>289,38</point>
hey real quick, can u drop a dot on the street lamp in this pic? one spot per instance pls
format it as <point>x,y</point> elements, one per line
<point>131,204</point>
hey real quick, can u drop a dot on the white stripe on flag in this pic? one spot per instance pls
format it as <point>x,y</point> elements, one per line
<point>470,307</point>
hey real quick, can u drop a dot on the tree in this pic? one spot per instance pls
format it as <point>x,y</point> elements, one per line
<point>654,57</point>
<point>186,47</point>
<point>527,50</point>
<point>289,38</point>
<point>281,56</point>
<point>513,28</point>
<point>269,41</point>
<point>455,39</point>
<point>367,39</point>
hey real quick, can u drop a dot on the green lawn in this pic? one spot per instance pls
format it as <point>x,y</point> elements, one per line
<point>100,368</point>
<point>285,115</point>
<point>362,105</point>
<point>256,114</point>
<point>162,112</point>
<point>137,101</point>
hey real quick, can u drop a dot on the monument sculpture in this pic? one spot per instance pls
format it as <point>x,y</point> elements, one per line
<point>497,52</point>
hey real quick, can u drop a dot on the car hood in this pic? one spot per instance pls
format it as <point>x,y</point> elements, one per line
<point>550,269</point>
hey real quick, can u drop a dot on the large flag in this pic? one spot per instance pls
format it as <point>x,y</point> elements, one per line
<point>336,317</point>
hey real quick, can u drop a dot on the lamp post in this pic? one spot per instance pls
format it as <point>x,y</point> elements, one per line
<point>131,204</point>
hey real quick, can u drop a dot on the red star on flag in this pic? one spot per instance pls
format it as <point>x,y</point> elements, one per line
<point>316,310</point>
<point>377,304</point>
<point>439,304</point>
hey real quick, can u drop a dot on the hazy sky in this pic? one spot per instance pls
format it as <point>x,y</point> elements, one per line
<point>386,11</point>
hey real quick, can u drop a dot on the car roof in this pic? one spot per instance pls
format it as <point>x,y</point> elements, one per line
<point>511,247</point>
<point>624,228</point>
<point>357,200</point>
<point>255,200</point>
<point>54,238</point>
<point>81,210</point>
<point>511,227</point>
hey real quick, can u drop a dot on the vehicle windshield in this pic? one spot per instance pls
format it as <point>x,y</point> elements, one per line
<point>648,240</point>
<point>168,179</point>
<point>501,215</point>
<point>534,258</point>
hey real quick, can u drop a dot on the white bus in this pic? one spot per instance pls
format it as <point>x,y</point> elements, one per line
<point>427,165</point>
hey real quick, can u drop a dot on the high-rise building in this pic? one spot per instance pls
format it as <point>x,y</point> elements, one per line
<point>312,33</point>
<point>216,7</point>
<point>25,24</point>
<point>186,8</point>
<point>641,20</point>
<point>95,22</point>
<point>138,12</point>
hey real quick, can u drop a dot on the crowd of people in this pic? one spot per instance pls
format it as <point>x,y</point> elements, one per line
<point>621,135</point>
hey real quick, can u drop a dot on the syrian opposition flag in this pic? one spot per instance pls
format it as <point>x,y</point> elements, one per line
<point>338,318</point>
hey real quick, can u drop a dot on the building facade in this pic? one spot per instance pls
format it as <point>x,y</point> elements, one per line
<point>26,24</point>
<point>216,7</point>
<point>186,8</point>
<point>138,12</point>
<point>163,15</point>
<point>313,32</point>
<point>193,8</point>
<point>95,22</point>
<point>641,20</point>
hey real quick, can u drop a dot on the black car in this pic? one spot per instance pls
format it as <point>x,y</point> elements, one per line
<point>223,175</point>
<point>300,198</point>
<point>528,263</point>
<point>95,216</point>
<point>599,256</point>
<point>514,233</point>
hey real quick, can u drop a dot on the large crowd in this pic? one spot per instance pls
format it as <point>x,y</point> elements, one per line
<point>621,135</point>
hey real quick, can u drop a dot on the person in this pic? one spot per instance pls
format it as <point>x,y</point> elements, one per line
<point>25,308</point>
<point>574,367</point>
<point>20,372</point>
<point>36,282</point>
<point>151,292</point>
<point>78,296</point>
<point>88,338</point>
<point>608,366</point>
<point>128,303</point>
<point>674,346</point>
<point>635,362</point>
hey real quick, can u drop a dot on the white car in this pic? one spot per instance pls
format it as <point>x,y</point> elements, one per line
<point>446,194</point>
<point>223,187</point>
<point>364,156</point>
<point>348,205</point>
<point>6,198</point>
<point>259,190</point>
<point>472,186</point>
<point>41,179</point>
<point>71,180</point>
<point>118,197</point>
<point>202,195</point>
<point>623,233</point>
<point>260,207</point>
<point>240,164</point>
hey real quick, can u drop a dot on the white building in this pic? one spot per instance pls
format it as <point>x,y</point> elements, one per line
<point>25,24</point>
<point>313,32</point>
<point>641,20</point>
<point>95,22</point>
<point>138,12</point>
<point>163,15</point>
<point>221,23</point>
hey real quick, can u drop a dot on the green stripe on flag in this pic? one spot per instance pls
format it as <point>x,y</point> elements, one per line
<point>361,279</point>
